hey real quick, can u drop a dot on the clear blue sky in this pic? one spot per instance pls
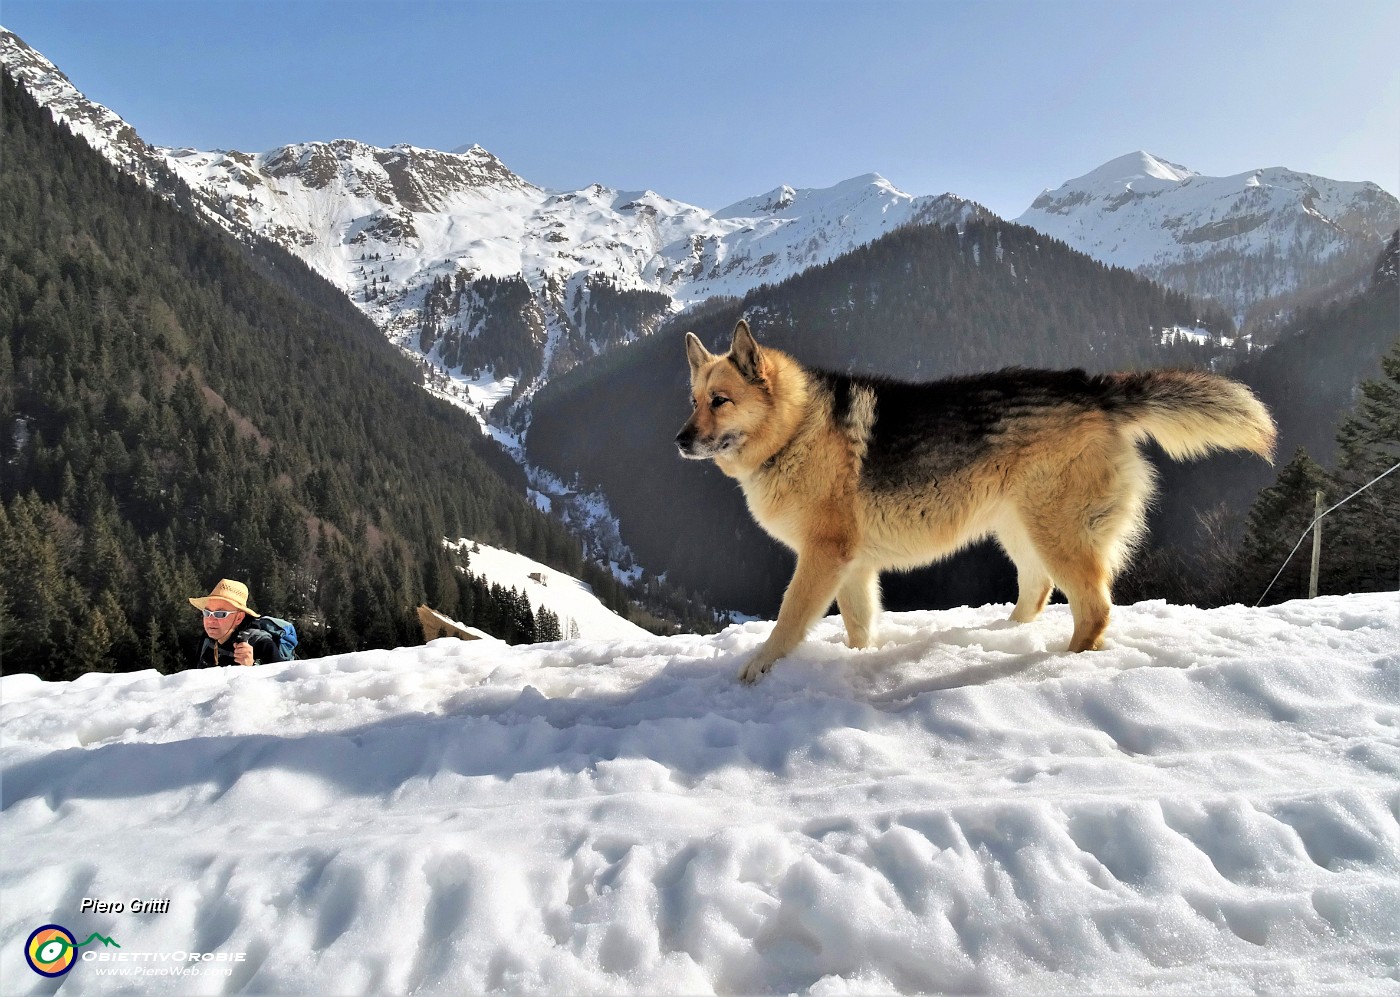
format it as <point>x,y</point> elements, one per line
<point>714,102</point>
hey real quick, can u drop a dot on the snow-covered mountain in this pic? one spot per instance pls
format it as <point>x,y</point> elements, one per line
<point>103,129</point>
<point>463,261</point>
<point>386,225</point>
<point>410,234</point>
<point>438,213</point>
<point>1252,241</point>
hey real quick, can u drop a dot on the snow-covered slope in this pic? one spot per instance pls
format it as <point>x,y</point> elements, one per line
<point>563,595</point>
<point>101,127</point>
<point>1208,805</point>
<point>1239,240</point>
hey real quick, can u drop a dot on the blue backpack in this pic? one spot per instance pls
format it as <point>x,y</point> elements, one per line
<point>284,632</point>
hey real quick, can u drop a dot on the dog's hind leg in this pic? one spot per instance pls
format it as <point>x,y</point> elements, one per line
<point>813,586</point>
<point>859,600</point>
<point>1084,519</point>
<point>1080,559</point>
<point>1032,578</point>
<point>1085,579</point>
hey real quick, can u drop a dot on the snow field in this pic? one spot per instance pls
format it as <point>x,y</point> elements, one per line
<point>1208,804</point>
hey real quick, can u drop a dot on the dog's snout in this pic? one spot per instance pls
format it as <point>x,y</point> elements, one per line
<point>692,444</point>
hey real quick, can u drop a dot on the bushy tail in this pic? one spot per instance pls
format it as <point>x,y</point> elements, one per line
<point>1190,413</point>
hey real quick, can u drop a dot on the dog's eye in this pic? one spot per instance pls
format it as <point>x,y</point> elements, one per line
<point>717,401</point>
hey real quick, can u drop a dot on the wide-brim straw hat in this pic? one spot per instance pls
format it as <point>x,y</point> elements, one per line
<point>230,591</point>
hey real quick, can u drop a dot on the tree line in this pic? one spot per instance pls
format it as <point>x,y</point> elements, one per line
<point>506,612</point>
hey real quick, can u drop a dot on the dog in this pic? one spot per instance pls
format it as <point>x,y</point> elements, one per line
<point>859,475</point>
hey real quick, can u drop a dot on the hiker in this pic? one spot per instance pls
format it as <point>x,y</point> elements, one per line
<point>227,640</point>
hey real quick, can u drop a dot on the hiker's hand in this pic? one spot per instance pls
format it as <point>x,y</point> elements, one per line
<point>243,654</point>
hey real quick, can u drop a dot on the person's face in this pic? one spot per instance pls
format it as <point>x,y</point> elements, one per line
<point>217,629</point>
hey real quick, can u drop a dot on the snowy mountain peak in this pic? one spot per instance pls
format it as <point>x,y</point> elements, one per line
<point>1136,166</point>
<point>26,63</point>
<point>387,225</point>
<point>778,198</point>
<point>415,176</point>
<point>1118,179</point>
<point>787,201</point>
<point>1246,241</point>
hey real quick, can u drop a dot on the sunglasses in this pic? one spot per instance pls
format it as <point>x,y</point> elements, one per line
<point>218,614</point>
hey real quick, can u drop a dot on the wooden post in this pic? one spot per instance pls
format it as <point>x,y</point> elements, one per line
<point>1317,544</point>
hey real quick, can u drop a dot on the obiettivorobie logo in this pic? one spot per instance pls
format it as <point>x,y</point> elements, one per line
<point>51,949</point>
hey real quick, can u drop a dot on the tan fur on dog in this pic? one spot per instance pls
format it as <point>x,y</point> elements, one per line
<point>859,475</point>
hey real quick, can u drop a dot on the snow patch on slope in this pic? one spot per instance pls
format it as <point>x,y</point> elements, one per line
<point>562,594</point>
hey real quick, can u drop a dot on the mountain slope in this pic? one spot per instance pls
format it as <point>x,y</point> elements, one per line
<point>1251,242</point>
<point>1201,806</point>
<point>580,611</point>
<point>177,406</point>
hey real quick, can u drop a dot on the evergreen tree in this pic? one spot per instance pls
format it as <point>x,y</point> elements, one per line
<point>547,626</point>
<point>1277,519</point>
<point>1363,553</point>
<point>32,581</point>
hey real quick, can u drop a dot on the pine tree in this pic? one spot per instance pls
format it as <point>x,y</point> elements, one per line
<point>1364,550</point>
<point>32,580</point>
<point>1277,519</point>
<point>547,626</point>
<point>92,651</point>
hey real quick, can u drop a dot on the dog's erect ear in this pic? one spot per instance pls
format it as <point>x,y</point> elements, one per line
<point>745,353</point>
<point>696,353</point>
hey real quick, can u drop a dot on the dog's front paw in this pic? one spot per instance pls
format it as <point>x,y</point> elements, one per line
<point>756,668</point>
<point>857,640</point>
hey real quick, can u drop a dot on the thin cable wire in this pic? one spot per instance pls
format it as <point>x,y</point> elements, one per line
<point>1314,523</point>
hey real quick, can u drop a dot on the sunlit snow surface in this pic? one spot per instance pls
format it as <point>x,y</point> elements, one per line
<point>1208,804</point>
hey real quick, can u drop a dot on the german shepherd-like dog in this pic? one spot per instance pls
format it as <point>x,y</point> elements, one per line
<point>859,474</point>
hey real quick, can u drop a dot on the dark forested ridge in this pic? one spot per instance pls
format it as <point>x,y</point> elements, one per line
<point>176,407</point>
<point>920,303</point>
<point>1310,381</point>
<point>1333,369</point>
